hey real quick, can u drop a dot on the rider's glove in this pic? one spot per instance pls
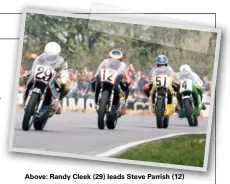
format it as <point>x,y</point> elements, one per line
<point>121,94</point>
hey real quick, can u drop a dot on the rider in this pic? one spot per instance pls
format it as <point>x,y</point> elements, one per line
<point>161,60</point>
<point>185,70</point>
<point>124,84</point>
<point>53,50</point>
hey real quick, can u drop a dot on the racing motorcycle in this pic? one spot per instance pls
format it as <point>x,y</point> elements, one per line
<point>186,90</point>
<point>162,96</point>
<point>41,87</point>
<point>109,103</point>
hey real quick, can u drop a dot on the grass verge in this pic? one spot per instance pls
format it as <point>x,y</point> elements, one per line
<point>184,150</point>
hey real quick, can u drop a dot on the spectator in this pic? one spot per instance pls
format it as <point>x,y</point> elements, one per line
<point>137,78</point>
<point>207,90</point>
<point>132,69</point>
<point>21,71</point>
<point>141,82</point>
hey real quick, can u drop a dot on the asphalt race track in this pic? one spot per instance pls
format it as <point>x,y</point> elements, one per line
<point>78,133</point>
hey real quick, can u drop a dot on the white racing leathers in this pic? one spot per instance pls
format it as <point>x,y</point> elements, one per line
<point>198,82</point>
<point>109,62</point>
<point>60,65</point>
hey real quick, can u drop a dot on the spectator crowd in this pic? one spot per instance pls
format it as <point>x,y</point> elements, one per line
<point>81,88</point>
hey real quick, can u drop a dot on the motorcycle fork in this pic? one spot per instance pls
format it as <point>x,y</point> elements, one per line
<point>166,101</point>
<point>111,100</point>
<point>27,99</point>
<point>41,102</point>
<point>99,94</point>
<point>29,94</point>
<point>156,94</point>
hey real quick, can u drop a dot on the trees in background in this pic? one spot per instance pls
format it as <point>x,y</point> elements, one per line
<point>87,42</point>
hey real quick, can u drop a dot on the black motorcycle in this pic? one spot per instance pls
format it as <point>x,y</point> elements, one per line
<point>107,93</point>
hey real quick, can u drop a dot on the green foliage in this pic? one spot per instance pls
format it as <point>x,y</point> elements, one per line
<point>87,42</point>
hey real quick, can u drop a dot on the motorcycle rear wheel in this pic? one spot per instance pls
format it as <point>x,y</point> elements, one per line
<point>29,111</point>
<point>160,113</point>
<point>111,124</point>
<point>192,120</point>
<point>102,109</point>
<point>166,122</point>
<point>39,125</point>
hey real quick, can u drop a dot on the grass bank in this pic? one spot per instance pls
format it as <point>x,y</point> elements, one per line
<point>184,150</point>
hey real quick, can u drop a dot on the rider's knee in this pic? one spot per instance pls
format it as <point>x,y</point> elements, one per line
<point>66,89</point>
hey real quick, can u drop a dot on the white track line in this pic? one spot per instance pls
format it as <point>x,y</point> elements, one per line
<point>121,149</point>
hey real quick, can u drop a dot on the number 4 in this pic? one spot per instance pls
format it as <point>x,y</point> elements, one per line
<point>184,85</point>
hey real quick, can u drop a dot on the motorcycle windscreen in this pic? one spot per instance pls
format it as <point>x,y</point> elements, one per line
<point>115,65</point>
<point>47,60</point>
<point>162,71</point>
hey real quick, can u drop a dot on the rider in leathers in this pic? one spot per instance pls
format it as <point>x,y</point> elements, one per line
<point>123,88</point>
<point>185,70</point>
<point>52,51</point>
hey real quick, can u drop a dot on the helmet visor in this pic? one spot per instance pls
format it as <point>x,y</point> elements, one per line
<point>116,53</point>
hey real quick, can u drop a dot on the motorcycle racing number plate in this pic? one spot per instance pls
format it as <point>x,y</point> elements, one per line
<point>108,75</point>
<point>186,85</point>
<point>162,81</point>
<point>43,73</point>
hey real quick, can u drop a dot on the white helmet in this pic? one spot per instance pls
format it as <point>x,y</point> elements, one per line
<point>52,48</point>
<point>185,71</point>
<point>185,68</point>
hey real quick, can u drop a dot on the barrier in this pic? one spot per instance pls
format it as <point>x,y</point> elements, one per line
<point>82,103</point>
<point>72,104</point>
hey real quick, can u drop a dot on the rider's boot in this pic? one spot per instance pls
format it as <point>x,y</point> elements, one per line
<point>178,108</point>
<point>58,109</point>
<point>200,92</point>
<point>54,106</point>
<point>203,107</point>
<point>123,104</point>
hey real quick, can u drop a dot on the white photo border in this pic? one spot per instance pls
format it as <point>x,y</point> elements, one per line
<point>106,159</point>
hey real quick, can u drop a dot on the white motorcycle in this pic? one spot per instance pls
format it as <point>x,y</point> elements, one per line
<point>41,87</point>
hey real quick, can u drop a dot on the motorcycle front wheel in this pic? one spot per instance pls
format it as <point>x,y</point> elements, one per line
<point>29,111</point>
